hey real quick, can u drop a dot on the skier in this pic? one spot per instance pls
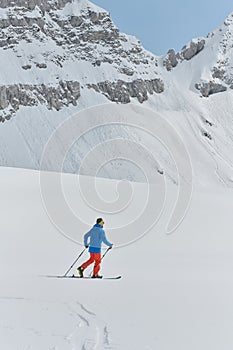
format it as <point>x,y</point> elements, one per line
<point>96,236</point>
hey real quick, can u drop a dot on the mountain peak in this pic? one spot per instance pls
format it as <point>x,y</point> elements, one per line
<point>77,7</point>
<point>68,55</point>
<point>58,47</point>
<point>229,19</point>
<point>71,7</point>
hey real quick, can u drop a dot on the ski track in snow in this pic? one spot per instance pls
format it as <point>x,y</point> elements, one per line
<point>75,328</point>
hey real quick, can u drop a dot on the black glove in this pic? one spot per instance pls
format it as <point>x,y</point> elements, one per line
<point>86,246</point>
<point>111,246</point>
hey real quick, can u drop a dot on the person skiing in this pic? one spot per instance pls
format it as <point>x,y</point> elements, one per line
<point>94,239</point>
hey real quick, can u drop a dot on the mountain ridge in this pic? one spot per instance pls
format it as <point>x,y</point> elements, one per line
<point>61,57</point>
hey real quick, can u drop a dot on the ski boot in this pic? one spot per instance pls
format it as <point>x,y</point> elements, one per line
<point>96,276</point>
<point>80,270</point>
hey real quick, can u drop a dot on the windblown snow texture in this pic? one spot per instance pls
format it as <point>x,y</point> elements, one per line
<point>176,294</point>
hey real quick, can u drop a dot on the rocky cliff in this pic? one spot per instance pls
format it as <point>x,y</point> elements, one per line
<point>53,44</point>
<point>58,57</point>
<point>215,61</point>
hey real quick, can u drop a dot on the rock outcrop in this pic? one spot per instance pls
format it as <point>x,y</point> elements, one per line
<point>210,88</point>
<point>171,60</point>
<point>75,42</point>
<point>80,34</point>
<point>190,50</point>
<point>122,91</point>
<point>14,96</point>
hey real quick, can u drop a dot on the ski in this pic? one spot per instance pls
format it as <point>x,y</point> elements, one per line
<point>87,277</point>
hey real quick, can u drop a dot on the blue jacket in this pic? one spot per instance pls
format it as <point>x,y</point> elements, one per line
<point>96,236</point>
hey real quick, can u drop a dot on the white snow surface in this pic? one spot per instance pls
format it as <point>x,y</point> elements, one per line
<point>23,137</point>
<point>175,291</point>
<point>65,61</point>
<point>76,7</point>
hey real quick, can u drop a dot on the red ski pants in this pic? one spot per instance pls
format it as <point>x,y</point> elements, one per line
<point>96,258</point>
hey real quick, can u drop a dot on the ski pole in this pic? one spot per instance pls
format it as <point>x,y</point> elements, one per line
<point>103,257</point>
<point>75,262</point>
<point>106,252</point>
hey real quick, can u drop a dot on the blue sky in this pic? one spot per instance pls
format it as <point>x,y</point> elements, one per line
<point>165,24</point>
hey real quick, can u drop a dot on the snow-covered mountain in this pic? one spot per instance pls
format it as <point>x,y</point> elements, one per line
<point>56,48</point>
<point>60,57</point>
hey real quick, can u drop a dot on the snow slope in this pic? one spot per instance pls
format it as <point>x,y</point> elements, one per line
<point>176,290</point>
<point>78,42</point>
<point>61,58</point>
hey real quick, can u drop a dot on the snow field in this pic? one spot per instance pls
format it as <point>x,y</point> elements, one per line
<point>176,290</point>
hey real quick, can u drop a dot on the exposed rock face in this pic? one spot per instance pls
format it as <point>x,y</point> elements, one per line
<point>59,53</point>
<point>122,91</point>
<point>171,60</point>
<point>14,96</point>
<point>221,72</point>
<point>218,73</point>
<point>210,88</point>
<point>74,41</point>
<point>187,53</point>
<point>192,49</point>
<point>79,33</point>
<point>31,4</point>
